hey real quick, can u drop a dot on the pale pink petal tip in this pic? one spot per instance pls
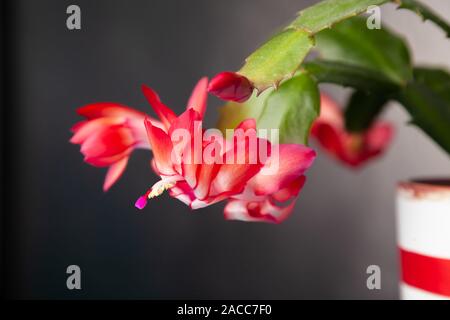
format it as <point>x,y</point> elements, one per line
<point>141,202</point>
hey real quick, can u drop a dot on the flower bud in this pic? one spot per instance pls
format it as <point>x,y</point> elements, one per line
<point>231,86</point>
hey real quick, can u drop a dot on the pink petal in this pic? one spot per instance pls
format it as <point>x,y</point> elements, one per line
<point>277,214</point>
<point>290,191</point>
<point>330,112</point>
<point>208,169</point>
<point>162,148</point>
<point>198,98</point>
<point>206,175</point>
<point>263,211</point>
<point>114,173</point>
<point>164,113</point>
<point>85,129</point>
<point>78,125</point>
<point>107,142</point>
<point>183,192</point>
<point>189,171</point>
<point>186,152</point>
<point>236,210</point>
<point>107,161</point>
<point>108,109</point>
<point>186,122</point>
<point>232,178</point>
<point>379,136</point>
<point>294,160</point>
<point>329,137</point>
<point>247,124</point>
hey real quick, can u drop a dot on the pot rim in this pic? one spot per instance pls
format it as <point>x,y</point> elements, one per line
<point>425,186</point>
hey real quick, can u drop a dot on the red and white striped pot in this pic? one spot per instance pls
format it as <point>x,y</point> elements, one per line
<point>423,231</point>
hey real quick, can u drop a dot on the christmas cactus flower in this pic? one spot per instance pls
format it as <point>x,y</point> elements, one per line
<point>109,135</point>
<point>254,188</point>
<point>112,131</point>
<point>351,148</point>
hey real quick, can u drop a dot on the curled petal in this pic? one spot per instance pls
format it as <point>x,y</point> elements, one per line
<point>183,192</point>
<point>263,211</point>
<point>293,160</point>
<point>290,191</point>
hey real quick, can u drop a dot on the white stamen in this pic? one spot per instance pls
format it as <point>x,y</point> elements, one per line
<point>161,186</point>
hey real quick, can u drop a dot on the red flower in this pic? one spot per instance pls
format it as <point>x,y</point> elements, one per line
<point>255,192</point>
<point>231,86</point>
<point>353,149</point>
<point>112,131</point>
<point>108,136</point>
<point>185,170</point>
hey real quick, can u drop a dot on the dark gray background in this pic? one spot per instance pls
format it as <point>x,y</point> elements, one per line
<point>343,222</point>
